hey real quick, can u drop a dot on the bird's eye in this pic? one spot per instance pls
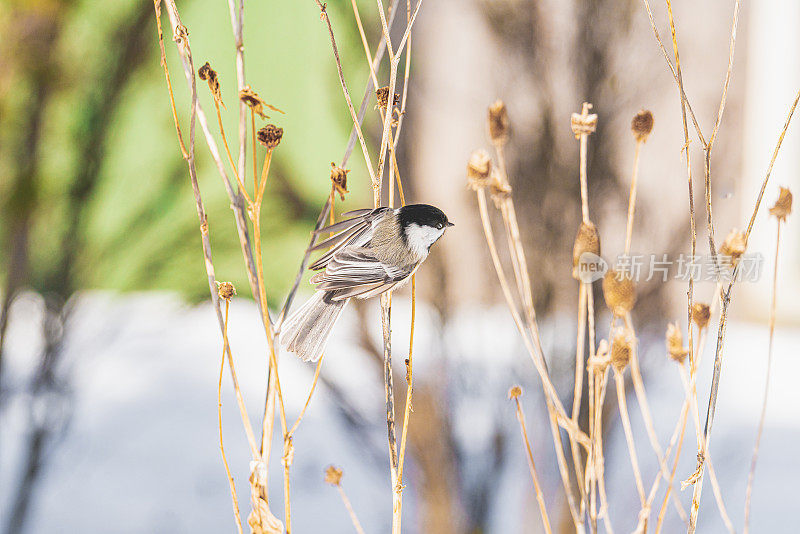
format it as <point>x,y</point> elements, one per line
<point>439,226</point>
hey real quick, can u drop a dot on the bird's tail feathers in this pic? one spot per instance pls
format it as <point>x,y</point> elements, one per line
<point>306,331</point>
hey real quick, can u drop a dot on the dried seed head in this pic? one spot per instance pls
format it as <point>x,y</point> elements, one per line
<point>500,190</point>
<point>642,125</point>
<point>210,75</point>
<point>270,136</point>
<point>621,351</point>
<point>255,102</point>
<point>225,290</point>
<point>701,313</point>
<point>675,343</point>
<point>339,179</point>
<point>783,206</point>
<point>479,169</point>
<point>587,240</point>
<point>498,122</point>
<point>514,392</point>
<point>333,475</point>
<point>733,246</point>
<point>619,291</point>
<point>583,123</point>
<point>383,97</point>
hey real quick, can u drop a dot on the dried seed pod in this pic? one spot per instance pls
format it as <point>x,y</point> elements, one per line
<point>733,246</point>
<point>642,125</point>
<point>270,136</point>
<point>210,75</point>
<point>255,102</point>
<point>514,392</point>
<point>583,123</point>
<point>479,169</point>
<point>701,314</point>
<point>587,240</point>
<point>619,292</point>
<point>225,290</point>
<point>339,179</point>
<point>783,206</point>
<point>498,122</point>
<point>621,347</point>
<point>382,95</point>
<point>674,341</point>
<point>333,475</point>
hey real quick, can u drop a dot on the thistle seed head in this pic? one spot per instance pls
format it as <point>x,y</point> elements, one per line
<point>498,122</point>
<point>270,136</point>
<point>701,313</point>
<point>783,206</point>
<point>642,125</point>
<point>619,292</point>
<point>674,341</point>
<point>333,475</point>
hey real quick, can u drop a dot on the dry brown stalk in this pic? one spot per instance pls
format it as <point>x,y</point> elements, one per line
<point>356,123</point>
<point>232,485</point>
<point>333,476</point>
<point>644,406</point>
<point>489,234</point>
<point>697,477</point>
<point>641,127</point>
<point>514,394</point>
<point>780,211</point>
<point>578,390</point>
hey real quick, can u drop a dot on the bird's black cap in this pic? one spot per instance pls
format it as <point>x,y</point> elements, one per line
<point>422,215</point>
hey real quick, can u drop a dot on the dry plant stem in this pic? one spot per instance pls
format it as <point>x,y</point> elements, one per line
<point>688,386</point>
<point>237,25</point>
<point>697,477</point>
<point>632,198</point>
<point>394,57</point>
<point>584,185</point>
<point>228,152</point>
<point>626,425</point>
<point>394,169</point>
<point>219,424</point>
<point>600,391</point>
<point>409,392</point>
<point>308,399</point>
<point>692,223</point>
<point>356,122</point>
<point>644,406</point>
<point>157,6</point>
<point>565,479</point>
<point>532,467</point>
<point>763,416</point>
<point>353,517</point>
<point>578,391</point>
<point>255,215</point>
<point>690,397</point>
<point>724,97</point>
<point>675,73</point>
<point>186,58</point>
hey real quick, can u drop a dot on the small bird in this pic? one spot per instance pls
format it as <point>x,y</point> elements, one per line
<point>372,252</point>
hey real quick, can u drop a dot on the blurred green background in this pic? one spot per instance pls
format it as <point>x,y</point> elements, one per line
<point>95,193</point>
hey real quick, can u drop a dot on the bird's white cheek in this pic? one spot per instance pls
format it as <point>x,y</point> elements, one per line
<point>420,238</point>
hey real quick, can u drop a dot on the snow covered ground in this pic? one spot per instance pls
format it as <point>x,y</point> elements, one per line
<point>140,452</point>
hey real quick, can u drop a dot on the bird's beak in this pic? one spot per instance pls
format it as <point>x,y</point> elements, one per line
<point>450,224</point>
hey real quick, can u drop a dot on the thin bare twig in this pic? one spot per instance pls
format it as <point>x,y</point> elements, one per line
<point>763,415</point>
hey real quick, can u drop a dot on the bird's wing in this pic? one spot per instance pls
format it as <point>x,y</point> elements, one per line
<point>353,232</point>
<point>355,271</point>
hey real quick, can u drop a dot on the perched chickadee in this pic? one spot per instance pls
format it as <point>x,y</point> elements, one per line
<point>372,252</point>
